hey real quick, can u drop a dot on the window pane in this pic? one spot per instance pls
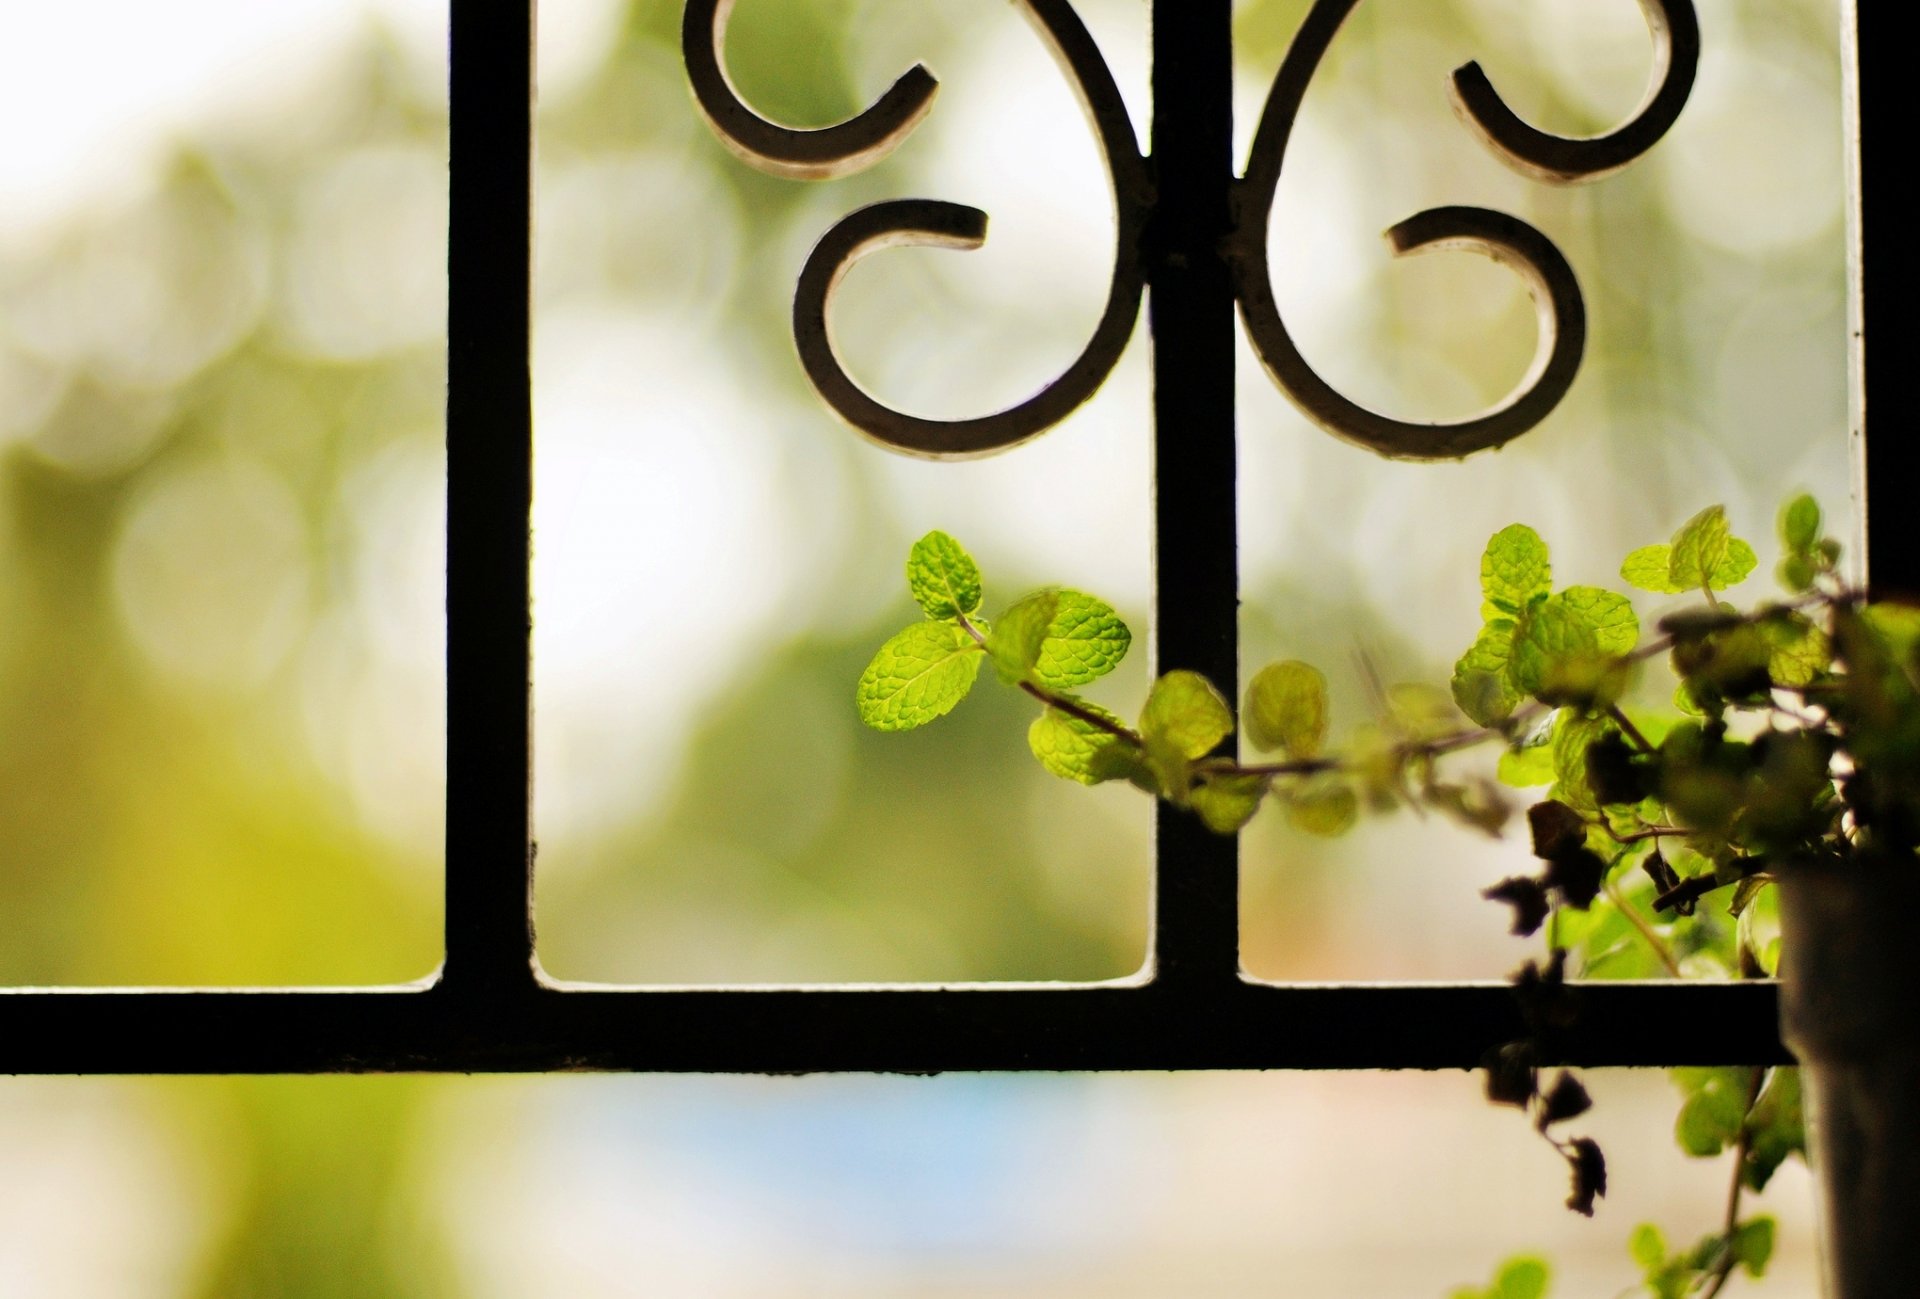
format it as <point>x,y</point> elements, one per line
<point>716,557</point>
<point>1714,273</point>
<point>221,381</point>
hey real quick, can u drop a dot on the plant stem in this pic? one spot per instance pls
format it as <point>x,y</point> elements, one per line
<point>1628,729</point>
<point>1075,709</point>
<point>1732,1224</point>
<point>1639,922</point>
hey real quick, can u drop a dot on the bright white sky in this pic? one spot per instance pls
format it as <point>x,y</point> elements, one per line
<point>92,91</point>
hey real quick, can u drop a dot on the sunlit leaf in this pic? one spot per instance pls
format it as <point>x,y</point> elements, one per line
<point>1184,711</point>
<point>1076,749</point>
<point>1326,806</point>
<point>1800,523</point>
<point>917,676</point>
<point>1515,569</point>
<point>943,577</point>
<point>1699,548</point>
<point>1482,682</point>
<point>1227,802</point>
<point>1287,708</point>
<point>1014,642</point>
<point>1085,639</point>
<point>1650,568</point>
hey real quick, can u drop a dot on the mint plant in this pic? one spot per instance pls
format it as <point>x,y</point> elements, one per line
<point>1792,741</point>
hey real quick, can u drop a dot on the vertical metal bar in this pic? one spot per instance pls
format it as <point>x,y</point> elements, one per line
<point>489,498</point>
<point>1880,121</point>
<point>1190,313</point>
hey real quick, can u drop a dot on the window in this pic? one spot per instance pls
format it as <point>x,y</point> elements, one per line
<point>487,1011</point>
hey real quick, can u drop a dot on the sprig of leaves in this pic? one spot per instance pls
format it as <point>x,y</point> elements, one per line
<point>1645,815</point>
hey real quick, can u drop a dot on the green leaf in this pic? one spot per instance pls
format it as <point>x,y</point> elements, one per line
<point>1075,749</point>
<point>1609,614</point>
<point>1522,1278</point>
<point>1515,570</point>
<point>1482,684</point>
<point>1184,718</point>
<point>1650,568</point>
<point>1571,739</point>
<point>1800,650</point>
<point>1648,1247</point>
<point>1752,1245</point>
<point>1527,767</point>
<point>1699,548</point>
<point>1287,708</point>
<point>1776,1128</point>
<point>943,577</point>
<point>1324,806</point>
<point>1800,523</point>
<point>1519,1278</point>
<point>1552,637</point>
<point>1084,640</point>
<point>1711,1117</point>
<point>1227,802</point>
<point>917,676</point>
<point>1014,642</point>
<point>1186,713</point>
<point>1738,565</point>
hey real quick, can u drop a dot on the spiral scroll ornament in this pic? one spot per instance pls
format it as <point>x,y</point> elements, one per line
<point>868,137</point>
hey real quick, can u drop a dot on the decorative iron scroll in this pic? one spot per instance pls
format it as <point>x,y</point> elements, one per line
<point>865,139</point>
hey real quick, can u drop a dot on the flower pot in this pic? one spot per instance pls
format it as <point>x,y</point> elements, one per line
<point>1850,1012</point>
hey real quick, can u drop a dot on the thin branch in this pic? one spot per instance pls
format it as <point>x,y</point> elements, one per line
<point>1639,922</point>
<point>1724,1269</point>
<point>1073,708</point>
<point>1687,890</point>
<point>1628,729</point>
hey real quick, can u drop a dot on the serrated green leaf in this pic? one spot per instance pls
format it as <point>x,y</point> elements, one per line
<point>1287,708</point>
<point>917,676</point>
<point>1699,548</point>
<point>1571,738</point>
<point>1752,1245</point>
<point>1616,630</point>
<point>943,577</point>
<point>1800,650</point>
<point>1736,567</point>
<point>1226,803</point>
<point>1800,523</point>
<point>1186,713</point>
<point>1325,806</point>
<point>1514,569</point>
<point>1084,640</point>
<point>1075,749</point>
<point>1551,635</point>
<point>1014,642</point>
<point>1482,683</point>
<point>1650,568</point>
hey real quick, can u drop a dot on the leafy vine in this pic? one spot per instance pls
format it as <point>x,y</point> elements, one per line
<point>1793,742</point>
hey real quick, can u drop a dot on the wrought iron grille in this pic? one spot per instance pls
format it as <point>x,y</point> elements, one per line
<point>1191,237</point>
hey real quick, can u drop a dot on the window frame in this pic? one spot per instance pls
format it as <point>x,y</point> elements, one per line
<point>490,1008</point>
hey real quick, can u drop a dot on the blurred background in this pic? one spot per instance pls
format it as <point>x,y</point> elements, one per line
<point>221,477</point>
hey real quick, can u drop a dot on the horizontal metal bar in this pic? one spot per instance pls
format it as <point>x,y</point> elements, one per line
<point>907,1029</point>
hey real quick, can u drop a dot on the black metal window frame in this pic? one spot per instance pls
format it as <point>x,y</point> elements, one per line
<point>489,1008</point>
